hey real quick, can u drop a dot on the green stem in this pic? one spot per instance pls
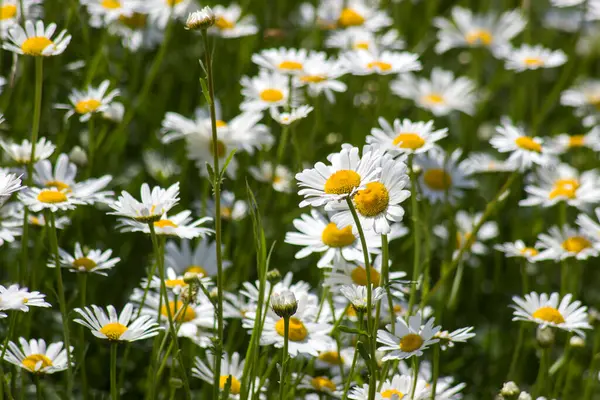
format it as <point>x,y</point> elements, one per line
<point>591,378</point>
<point>284,356</point>
<point>385,266</point>
<point>415,368</point>
<point>354,359</point>
<point>456,286</point>
<point>38,388</point>
<point>91,145</point>
<point>416,235</point>
<point>541,380</point>
<point>512,371</point>
<point>82,342</point>
<point>114,390</point>
<point>11,326</point>
<point>436,369</point>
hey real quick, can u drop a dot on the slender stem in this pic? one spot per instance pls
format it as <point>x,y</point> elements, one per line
<point>11,326</point>
<point>540,382</point>
<point>284,356</point>
<point>591,379</point>
<point>512,371</point>
<point>385,266</point>
<point>416,235</point>
<point>354,359</point>
<point>82,342</point>
<point>436,369</point>
<point>114,390</point>
<point>456,286</point>
<point>524,277</point>
<point>91,145</point>
<point>415,368</point>
<point>38,388</point>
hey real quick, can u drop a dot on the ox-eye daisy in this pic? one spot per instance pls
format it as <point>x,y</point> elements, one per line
<point>87,102</point>
<point>449,339</point>
<point>104,12</point>
<point>36,40</point>
<point>318,235</point>
<point>590,227</point>
<point>405,136</point>
<point>585,98</point>
<point>178,225</point>
<point>332,386</point>
<point>552,185</point>
<point>358,297</point>
<point>566,242</point>
<point>524,150</point>
<point>9,184</point>
<point>154,203</point>
<point>408,339</point>
<point>230,23</point>
<point>231,368</point>
<point>529,57</point>
<point>483,162</point>
<point>161,11</point>
<point>350,273</point>
<point>122,328</point>
<point>35,357</point>
<point>13,11</point>
<point>358,38</point>
<point>363,62</point>
<point>473,30</point>
<point>14,297</point>
<point>282,60</point>
<point>137,31</point>
<point>399,387</point>
<point>92,261</point>
<point>268,89</point>
<point>287,118</point>
<point>200,260</point>
<point>518,249</point>
<point>347,173</point>
<point>546,310</point>
<point>49,199</point>
<point>280,177</point>
<point>354,13</point>
<point>21,152</point>
<point>231,209</point>
<point>378,204</point>
<point>320,76</point>
<point>564,142</point>
<point>441,94</point>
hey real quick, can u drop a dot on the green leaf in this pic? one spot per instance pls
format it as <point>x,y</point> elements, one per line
<point>205,91</point>
<point>211,173</point>
<point>364,353</point>
<point>227,161</point>
<point>347,329</point>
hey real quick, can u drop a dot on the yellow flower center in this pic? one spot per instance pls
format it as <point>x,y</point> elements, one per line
<point>291,65</point>
<point>221,148</point>
<point>434,98</point>
<point>224,24</point>
<point>312,78</point>
<point>196,269</point>
<point>549,314</point>
<point>373,200</point>
<point>271,95</point>
<point>481,36</point>
<point>361,45</point>
<point>331,357</point>
<point>113,330</point>
<point>87,106</point>
<point>437,179</point>
<point>462,238</point>
<point>221,124</point>
<point>411,342</point>
<point>409,141</point>
<point>359,276</point>
<point>343,181</point>
<point>529,251</point>
<point>527,143</point>
<point>51,196</point>
<point>297,331</point>
<point>334,237</point>
<point>564,188</point>
<point>235,384</point>
<point>594,99</point>
<point>8,11</point>
<point>577,141</point>
<point>172,3</point>
<point>387,394</point>
<point>383,66</point>
<point>397,309</point>
<point>184,316</point>
<point>171,283</point>
<point>31,360</point>
<point>134,21</point>
<point>35,220</point>
<point>323,383</point>
<point>34,46</point>
<point>84,262</point>
<point>575,244</point>
<point>163,223</point>
<point>533,62</point>
<point>112,4</point>
<point>57,184</point>
<point>349,17</point>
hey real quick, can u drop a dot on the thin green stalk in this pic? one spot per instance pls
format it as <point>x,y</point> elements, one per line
<point>436,369</point>
<point>39,394</point>
<point>591,378</point>
<point>385,250</point>
<point>415,368</point>
<point>542,377</point>
<point>11,326</point>
<point>284,356</point>
<point>524,277</point>
<point>416,235</point>
<point>513,369</point>
<point>354,359</point>
<point>456,286</point>
<point>91,145</point>
<point>114,390</point>
<point>82,341</point>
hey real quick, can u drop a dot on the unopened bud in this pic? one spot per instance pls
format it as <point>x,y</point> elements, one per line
<point>78,156</point>
<point>524,396</point>
<point>274,276</point>
<point>214,294</point>
<point>175,383</point>
<point>545,336</point>
<point>201,20</point>
<point>510,389</point>
<point>577,341</point>
<point>284,304</point>
<point>191,278</point>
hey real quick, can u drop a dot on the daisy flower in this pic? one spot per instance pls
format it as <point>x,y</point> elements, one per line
<point>282,60</point>
<point>482,162</point>
<point>231,24</point>
<point>288,118</point>
<point>92,261</point>
<point>332,386</point>
<point>449,339</point>
<point>466,29</point>
<point>117,328</point>
<point>88,102</point>
<point>231,368</point>
<point>405,136</point>
<point>407,340</point>
<point>280,177</point>
<point>161,11</point>
<point>21,153</point>
<point>443,177</point>
<point>137,31</point>
<point>363,62</point>
<point>200,260</point>
<point>590,227</point>
<point>566,242</point>
<point>11,13</point>
<point>331,359</point>
<point>396,388</point>
<point>518,249</point>
<point>179,225</point>
<point>154,203</point>
<point>320,75</point>
<point>175,282</point>
<point>585,98</point>
<point>347,173</point>
<point>319,235</point>
<point>35,357</point>
<point>36,40</point>
<point>18,298</point>
<point>358,297</point>
<point>552,185</point>
<point>564,142</point>
<point>378,203</point>
<point>344,273</point>
<point>300,288</point>
<point>9,184</point>
<point>441,94</point>
<point>11,222</point>
<point>158,166</point>
<point>529,57</point>
<point>354,13</point>
<point>306,336</point>
<point>358,38</point>
<point>545,310</point>
<point>104,12</point>
<point>49,199</point>
<point>39,220</point>
<point>525,150</point>
<point>268,89</point>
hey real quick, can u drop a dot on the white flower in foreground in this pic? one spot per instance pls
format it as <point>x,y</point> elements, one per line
<point>36,40</point>
<point>91,261</point>
<point>9,184</point>
<point>49,199</point>
<point>231,368</point>
<point>320,75</point>
<point>154,203</point>
<point>518,249</point>
<point>117,328</point>
<point>231,24</point>
<point>35,357</point>
<point>363,62</point>
<point>357,295</point>
<point>347,173</point>
<point>268,89</point>
<point>399,387</point>
<point>545,310</point>
<point>529,57</point>
<point>287,118</point>
<point>281,178</point>
<point>201,19</point>
<point>21,153</point>
<point>86,103</point>
<point>449,339</point>
<point>179,225</point>
<point>405,136</point>
<point>524,150</point>
<point>407,340</point>
<point>566,242</point>
<point>14,297</point>
<point>284,303</point>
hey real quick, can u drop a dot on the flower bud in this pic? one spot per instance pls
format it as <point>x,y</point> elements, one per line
<point>284,304</point>
<point>510,389</point>
<point>577,341</point>
<point>191,278</point>
<point>545,336</point>
<point>78,156</point>
<point>200,20</point>
<point>524,396</point>
<point>274,276</point>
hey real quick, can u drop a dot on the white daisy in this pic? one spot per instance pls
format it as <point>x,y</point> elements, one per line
<point>443,177</point>
<point>200,260</point>
<point>441,94</point>
<point>11,222</point>
<point>268,89</point>
<point>318,235</point>
<point>348,173</point>
<point>353,13</point>
<point>332,359</point>
<point>320,75</point>
<point>357,295</point>
<point>92,261</point>
<point>231,368</point>
<point>14,11</point>
<point>525,150</point>
<point>355,38</point>
<point>231,24</point>
<point>174,282</point>
<point>473,30</point>
<point>566,242</point>
<point>482,162</point>
<point>407,340</point>
<point>104,12</point>
<point>529,57</point>
<point>288,118</point>
<point>332,386</point>
<point>137,31</point>
<point>363,62</point>
<point>282,60</point>
<point>231,209</point>
<point>179,225</point>
<point>449,339</point>
<point>251,290</point>
<point>200,19</point>
<point>49,199</point>
<point>399,387</point>
<point>545,310</point>
<point>90,101</point>
<point>21,153</point>
<point>590,227</point>
<point>122,328</point>
<point>280,177</point>
<point>158,166</point>
<point>405,136</point>
<point>161,11</point>
<point>19,298</point>
<point>564,142</point>
<point>154,203</point>
<point>35,357</point>
<point>9,184</point>
<point>518,249</point>
<point>36,40</point>
<point>585,98</point>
